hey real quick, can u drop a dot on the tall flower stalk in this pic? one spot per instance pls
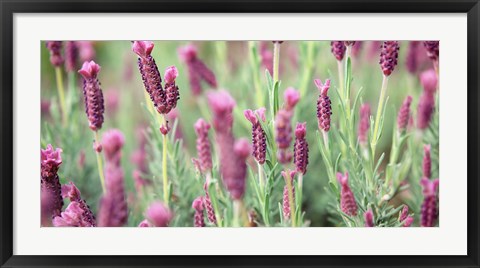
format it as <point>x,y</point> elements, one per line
<point>56,59</point>
<point>94,108</point>
<point>276,60</point>
<point>388,61</point>
<point>50,161</point>
<point>113,210</point>
<point>164,98</point>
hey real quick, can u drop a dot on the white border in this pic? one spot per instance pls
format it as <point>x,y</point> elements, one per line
<point>450,238</point>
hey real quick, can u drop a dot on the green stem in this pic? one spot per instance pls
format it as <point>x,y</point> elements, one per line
<point>164,171</point>
<point>61,94</point>
<point>299,198</point>
<point>276,60</point>
<point>381,102</point>
<point>238,213</point>
<point>341,78</point>
<point>260,178</point>
<point>100,165</point>
<point>308,70</point>
<point>255,67</point>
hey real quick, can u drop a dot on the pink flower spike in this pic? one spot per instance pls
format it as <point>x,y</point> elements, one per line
<point>324,105</point>
<point>89,70</point>
<point>292,97</point>
<point>404,114</point>
<point>198,204</point>
<point>203,145</point>
<point>403,213</point>
<point>429,209</point>
<point>300,149</point>
<point>51,156</point>
<point>261,113</point>
<point>198,219</point>
<point>368,217</point>
<point>187,53</point>
<point>429,81</point>
<point>50,161</point>
<point>408,221</point>
<point>258,134</point>
<point>144,223</point>
<point>347,199</point>
<point>364,123</point>
<point>286,198</point>
<point>389,56</point>
<point>222,104</point>
<point>159,214</point>
<point>112,143</point>
<point>250,116</point>
<point>323,88</point>
<point>338,49</point>
<point>242,148</point>
<point>70,191</point>
<point>427,161</point>
<point>171,73</point>
<point>143,48</point>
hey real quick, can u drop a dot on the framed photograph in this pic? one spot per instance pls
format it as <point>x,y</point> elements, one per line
<point>210,133</point>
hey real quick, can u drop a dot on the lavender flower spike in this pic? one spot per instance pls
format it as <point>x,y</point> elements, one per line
<point>364,123</point>
<point>338,49</point>
<point>78,213</point>
<point>172,94</point>
<point>389,56</point>
<point>73,216</point>
<point>404,114</point>
<point>55,48</point>
<point>286,199</point>
<point>151,77</point>
<point>258,134</point>
<point>159,215</point>
<point>207,202</point>
<point>368,217</point>
<point>144,223</point>
<point>113,210</point>
<point>433,48</point>
<point>283,128</point>
<point>324,105</point>
<point>237,171</point>
<point>71,56</point>
<point>427,162</point>
<point>426,107</point>
<point>50,161</point>
<point>197,70</point>
<point>429,211</point>
<point>197,205</point>
<point>347,199</point>
<point>93,95</point>
<point>411,62</point>
<point>222,105</point>
<point>283,135</point>
<point>112,143</point>
<point>300,149</point>
<point>405,218</point>
<point>291,97</point>
<point>203,145</point>
<point>429,81</point>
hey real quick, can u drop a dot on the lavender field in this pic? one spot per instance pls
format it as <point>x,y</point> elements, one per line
<point>239,134</point>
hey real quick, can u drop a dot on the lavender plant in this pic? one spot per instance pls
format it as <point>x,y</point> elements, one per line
<point>357,148</point>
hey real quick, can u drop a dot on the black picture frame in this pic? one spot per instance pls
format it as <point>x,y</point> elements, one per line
<point>10,7</point>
